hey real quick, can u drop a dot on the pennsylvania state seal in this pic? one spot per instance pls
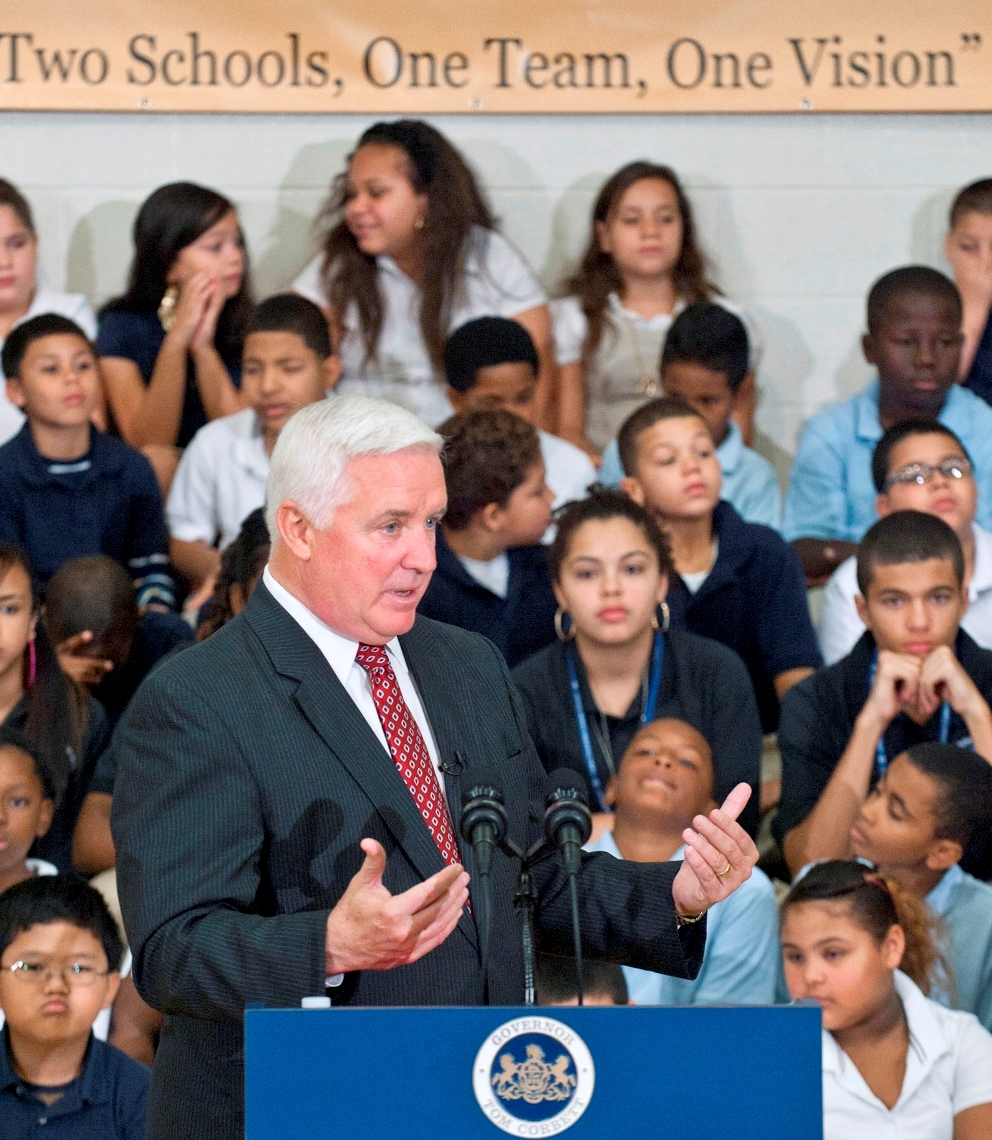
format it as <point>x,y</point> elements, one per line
<point>533,1076</point>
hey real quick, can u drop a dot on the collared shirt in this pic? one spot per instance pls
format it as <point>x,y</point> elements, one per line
<point>568,472</point>
<point>105,1102</point>
<point>964,903</point>
<point>840,626</point>
<point>106,503</point>
<point>340,651</point>
<point>831,493</point>
<point>750,484</point>
<point>495,282</point>
<point>740,963</point>
<point>948,1069</point>
<point>220,480</point>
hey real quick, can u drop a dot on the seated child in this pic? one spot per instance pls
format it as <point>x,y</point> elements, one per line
<point>241,566</point>
<point>491,362</point>
<point>894,1062</point>
<point>736,582</point>
<point>914,676</point>
<point>103,639</point>
<point>914,340</point>
<point>27,803</point>
<point>287,363</point>
<point>60,958</point>
<point>705,360</point>
<point>68,489</point>
<point>967,246</point>
<point>918,465</point>
<point>664,781</point>
<point>915,826</point>
<point>556,981</point>
<point>492,573</point>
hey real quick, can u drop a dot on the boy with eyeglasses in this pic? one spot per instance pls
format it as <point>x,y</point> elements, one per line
<point>60,955</point>
<point>918,465</point>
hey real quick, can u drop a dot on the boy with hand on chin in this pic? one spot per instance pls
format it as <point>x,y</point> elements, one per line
<point>913,677</point>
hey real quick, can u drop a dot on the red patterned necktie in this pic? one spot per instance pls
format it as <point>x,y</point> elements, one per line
<point>408,749</point>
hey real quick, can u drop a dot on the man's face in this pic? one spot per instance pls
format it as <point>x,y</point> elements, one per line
<point>368,569</point>
<point>916,348</point>
<point>913,607</point>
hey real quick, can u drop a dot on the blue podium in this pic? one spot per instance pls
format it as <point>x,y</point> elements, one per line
<point>721,1073</point>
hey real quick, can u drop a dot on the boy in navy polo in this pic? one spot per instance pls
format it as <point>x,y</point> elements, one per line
<point>68,489</point>
<point>914,676</point>
<point>737,582</point>
<point>492,575</point>
<point>60,956</point>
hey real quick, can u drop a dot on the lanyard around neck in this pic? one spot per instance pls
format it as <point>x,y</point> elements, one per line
<point>881,756</point>
<point>582,721</point>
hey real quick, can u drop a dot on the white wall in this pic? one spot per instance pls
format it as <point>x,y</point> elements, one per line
<point>799,215</point>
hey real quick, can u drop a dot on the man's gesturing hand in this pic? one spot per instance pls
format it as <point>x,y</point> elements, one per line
<point>719,855</point>
<point>370,929</point>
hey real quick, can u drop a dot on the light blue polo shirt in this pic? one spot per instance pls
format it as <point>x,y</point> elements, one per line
<point>964,903</point>
<point>831,493</point>
<point>741,959</point>
<point>749,481</point>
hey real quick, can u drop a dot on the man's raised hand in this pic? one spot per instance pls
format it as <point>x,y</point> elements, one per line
<point>719,856</point>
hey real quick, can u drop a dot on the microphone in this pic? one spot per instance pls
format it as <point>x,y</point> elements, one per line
<point>567,825</point>
<point>484,826</point>
<point>567,820</point>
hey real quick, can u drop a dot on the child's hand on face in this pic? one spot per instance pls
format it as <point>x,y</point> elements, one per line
<point>83,668</point>
<point>943,679</point>
<point>194,297</point>
<point>203,335</point>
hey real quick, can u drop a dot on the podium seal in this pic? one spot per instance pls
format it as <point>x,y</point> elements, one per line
<point>533,1076</point>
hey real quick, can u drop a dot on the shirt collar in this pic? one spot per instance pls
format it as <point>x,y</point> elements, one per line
<point>731,451</point>
<point>866,423</point>
<point>338,650</point>
<point>93,1078</point>
<point>661,321</point>
<point>249,447</point>
<point>607,843</point>
<point>940,898</point>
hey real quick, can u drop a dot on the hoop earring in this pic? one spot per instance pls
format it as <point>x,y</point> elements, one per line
<point>419,223</point>
<point>32,663</point>
<point>666,618</point>
<point>167,307</point>
<point>563,635</point>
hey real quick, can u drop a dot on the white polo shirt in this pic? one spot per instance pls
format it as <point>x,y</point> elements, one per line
<point>220,480</point>
<point>948,1069</point>
<point>840,626</point>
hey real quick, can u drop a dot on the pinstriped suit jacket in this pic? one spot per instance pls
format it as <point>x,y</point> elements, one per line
<point>247,778</point>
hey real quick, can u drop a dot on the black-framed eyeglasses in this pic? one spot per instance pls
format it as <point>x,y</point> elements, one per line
<point>954,467</point>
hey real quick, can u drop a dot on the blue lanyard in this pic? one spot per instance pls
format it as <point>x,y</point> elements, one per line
<point>582,721</point>
<point>881,756</point>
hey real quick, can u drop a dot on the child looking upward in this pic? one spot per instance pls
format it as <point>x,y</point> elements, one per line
<point>914,341</point>
<point>492,574</point>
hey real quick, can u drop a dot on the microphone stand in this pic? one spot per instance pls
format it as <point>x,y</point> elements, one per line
<point>525,901</point>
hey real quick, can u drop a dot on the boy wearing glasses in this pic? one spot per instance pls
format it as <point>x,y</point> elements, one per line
<point>913,677</point>
<point>60,955</point>
<point>919,465</point>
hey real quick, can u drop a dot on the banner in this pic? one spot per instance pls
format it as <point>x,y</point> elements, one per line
<point>498,56</point>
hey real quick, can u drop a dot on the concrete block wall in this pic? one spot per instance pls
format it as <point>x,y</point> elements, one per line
<point>798,214</point>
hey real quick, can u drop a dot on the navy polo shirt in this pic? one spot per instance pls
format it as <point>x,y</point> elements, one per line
<point>754,601</point>
<point>106,502</point>
<point>105,1102</point>
<point>520,624</point>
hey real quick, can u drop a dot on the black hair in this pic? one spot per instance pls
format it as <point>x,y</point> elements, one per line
<point>711,336</point>
<point>920,280</point>
<point>14,200</point>
<point>976,198</point>
<point>240,564</point>
<point>881,457</point>
<point>170,219</point>
<point>59,898</point>
<point>21,336</point>
<point>483,343</point>
<point>965,778</point>
<point>602,504</point>
<point>664,408</point>
<point>291,313</point>
<point>907,536</point>
<point>876,904</point>
<point>556,980</point>
<point>12,738</point>
<point>93,592</point>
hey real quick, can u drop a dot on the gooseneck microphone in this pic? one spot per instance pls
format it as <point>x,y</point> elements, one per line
<point>483,827</point>
<point>567,825</point>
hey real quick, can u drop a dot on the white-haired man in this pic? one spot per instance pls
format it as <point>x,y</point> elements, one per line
<point>289,791</point>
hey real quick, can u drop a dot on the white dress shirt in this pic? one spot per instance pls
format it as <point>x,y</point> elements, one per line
<point>339,652</point>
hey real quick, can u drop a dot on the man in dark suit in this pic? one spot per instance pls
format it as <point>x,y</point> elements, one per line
<point>258,767</point>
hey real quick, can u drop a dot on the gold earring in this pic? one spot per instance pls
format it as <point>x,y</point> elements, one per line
<point>560,616</point>
<point>167,307</point>
<point>419,223</point>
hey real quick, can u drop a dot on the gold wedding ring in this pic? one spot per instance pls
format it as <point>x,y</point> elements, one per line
<point>725,871</point>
